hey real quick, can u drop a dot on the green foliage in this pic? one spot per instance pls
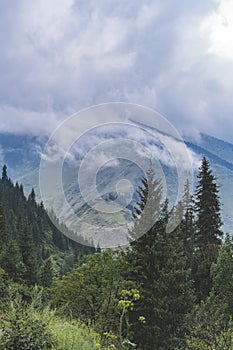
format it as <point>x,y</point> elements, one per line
<point>3,288</point>
<point>3,229</point>
<point>187,225</point>
<point>126,302</point>
<point>91,292</point>
<point>211,323</point>
<point>46,273</point>
<point>157,264</point>
<point>208,233</point>
<point>138,298</point>
<point>209,327</point>
<point>22,329</point>
<point>72,335</point>
<point>32,325</point>
<point>11,261</point>
<point>4,173</point>
<point>149,206</point>
<point>222,275</point>
<point>28,237</point>
<point>28,252</point>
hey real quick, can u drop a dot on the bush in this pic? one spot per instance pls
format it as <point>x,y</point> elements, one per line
<point>23,329</point>
<point>23,334</point>
<point>210,327</point>
<point>32,326</point>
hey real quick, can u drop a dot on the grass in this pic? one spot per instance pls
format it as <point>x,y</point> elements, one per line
<point>67,334</point>
<point>70,334</point>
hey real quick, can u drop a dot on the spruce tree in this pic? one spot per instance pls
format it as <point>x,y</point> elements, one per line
<point>47,273</point>
<point>32,197</point>
<point>222,275</point>
<point>156,264</point>
<point>28,251</point>
<point>4,173</point>
<point>11,261</point>
<point>188,224</point>
<point>148,206</point>
<point>208,233</point>
<point>3,229</point>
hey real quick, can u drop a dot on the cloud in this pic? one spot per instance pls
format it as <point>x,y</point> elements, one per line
<point>58,57</point>
<point>1,155</point>
<point>219,24</point>
<point>105,145</point>
<point>18,120</point>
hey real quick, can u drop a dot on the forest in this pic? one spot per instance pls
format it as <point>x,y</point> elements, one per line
<point>164,291</point>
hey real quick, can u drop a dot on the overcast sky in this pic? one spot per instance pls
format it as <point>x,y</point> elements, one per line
<point>59,56</point>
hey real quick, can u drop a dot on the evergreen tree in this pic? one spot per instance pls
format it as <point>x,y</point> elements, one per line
<point>46,238</point>
<point>4,174</point>
<point>32,197</point>
<point>3,229</point>
<point>208,223</point>
<point>156,264</point>
<point>188,224</point>
<point>149,205</point>
<point>222,275</point>
<point>210,325</point>
<point>47,273</point>
<point>28,252</point>
<point>11,261</point>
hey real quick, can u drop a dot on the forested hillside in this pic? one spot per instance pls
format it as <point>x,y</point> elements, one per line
<point>28,237</point>
<point>166,290</point>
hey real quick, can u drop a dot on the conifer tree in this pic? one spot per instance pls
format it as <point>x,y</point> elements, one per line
<point>188,224</point>
<point>47,273</point>
<point>156,263</point>
<point>28,252</point>
<point>32,197</point>
<point>11,261</point>
<point>149,205</point>
<point>3,229</point>
<point>222,275</point>
<point>208,223</point>
<point>4,174</point>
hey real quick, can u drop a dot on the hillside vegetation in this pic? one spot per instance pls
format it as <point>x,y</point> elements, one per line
<point>166,290</point>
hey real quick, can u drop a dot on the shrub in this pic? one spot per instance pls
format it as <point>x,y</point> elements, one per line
<point>23,329</point>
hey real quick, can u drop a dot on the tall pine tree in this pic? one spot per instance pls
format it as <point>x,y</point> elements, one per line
<point>188,225</point>
<point>208,233</point>
<point>46,274</point>
<point>28,251</point>
<point>4,173</point>
<point>3,229</point>
<point>149,205</point>
<point>11,261</point>
<point>156,264</point>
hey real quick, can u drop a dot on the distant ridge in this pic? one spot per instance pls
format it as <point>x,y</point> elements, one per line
<point>211,156</point>
<point>21,153</point>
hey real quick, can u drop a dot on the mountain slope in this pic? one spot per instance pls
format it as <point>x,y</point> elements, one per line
<point>21,153</point>
<point>24,216</point>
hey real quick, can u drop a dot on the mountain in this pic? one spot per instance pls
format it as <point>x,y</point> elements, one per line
<point>21,153</point>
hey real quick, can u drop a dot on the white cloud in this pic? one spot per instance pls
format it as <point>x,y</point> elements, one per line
<point>18,120</point>
<point>219,24</point>
<point>60,56</point>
